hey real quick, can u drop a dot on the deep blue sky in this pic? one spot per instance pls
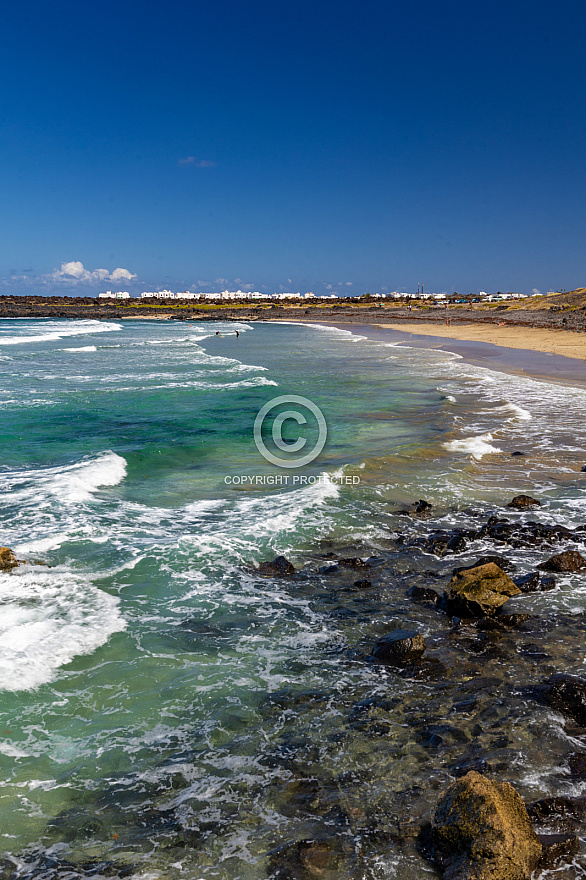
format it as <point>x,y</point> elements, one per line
<point>294,144</point>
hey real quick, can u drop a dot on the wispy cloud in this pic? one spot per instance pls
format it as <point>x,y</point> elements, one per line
<point>195,162</point>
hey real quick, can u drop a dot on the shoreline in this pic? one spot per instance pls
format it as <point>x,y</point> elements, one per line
<point>564,343</point>
<point>536,363</point>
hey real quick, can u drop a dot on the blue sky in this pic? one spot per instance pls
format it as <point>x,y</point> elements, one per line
<point>303,146</point>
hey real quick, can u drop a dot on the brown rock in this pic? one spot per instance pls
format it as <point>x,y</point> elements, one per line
<point>522,502</point>
<point>279,566</point>
<point>480,591</point>
<point>399,647</point>
<point>481,831</point>
<point>569,560</point>
<point>8,560</point>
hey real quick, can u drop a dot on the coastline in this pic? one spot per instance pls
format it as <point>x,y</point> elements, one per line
<point>544,363</point>
<point>566,343</point>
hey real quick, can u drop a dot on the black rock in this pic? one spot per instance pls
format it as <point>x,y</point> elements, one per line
<point>583,468</point>
<point>279,566</point>
<point>567,694</point>
<point>363,585</point>
<point>542,811</point>
<point>399,647</point>
<point>557,848</point>
<point>577,765</point>
<point>424,594</point>
<point>522,502</point>
<point>461,768</point>
<point>568,561</point>
<point>329,569</point>
<point>516,452</point>
<point>421,506</point>
<point>354,562</point>
<point>534,582</point>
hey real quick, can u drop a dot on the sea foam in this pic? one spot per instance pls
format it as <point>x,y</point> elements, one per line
<point>47,619</point>
<point>53,330</point>
<point>474,446</point>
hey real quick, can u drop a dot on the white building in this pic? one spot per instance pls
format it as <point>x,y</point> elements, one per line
<point>122,294</point>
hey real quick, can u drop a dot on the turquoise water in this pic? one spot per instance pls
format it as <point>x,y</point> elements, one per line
<point>162,703</point>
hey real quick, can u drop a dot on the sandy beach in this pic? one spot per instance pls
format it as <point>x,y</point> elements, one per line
<point>561,342</point>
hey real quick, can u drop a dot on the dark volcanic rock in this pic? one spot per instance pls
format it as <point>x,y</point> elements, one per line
<point>279,566</point>
<point>567,694</point>
<point>363,585</point>
<point>422,506</point>
<point>353,562</point>
<point>557,848</point>
<point>424,594</point>
<point>399,647</point>
<point>516,453</point>
<point>522,502</point>
<point>480,591</point>
<point>481,831</point>
<point>419,509</point>
<point>8,560</point>
<point>577,765</point>
<point>534,583</point>
<point>558,812</point>
<point>569,560</point>
<point>529,534</point>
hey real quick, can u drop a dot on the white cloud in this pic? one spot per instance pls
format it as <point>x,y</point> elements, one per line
<point>75,272</point>
<point>536,291</point>
<point>121,275</point>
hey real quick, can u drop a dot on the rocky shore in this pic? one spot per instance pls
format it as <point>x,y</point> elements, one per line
<point>344,312</point>
<point>487,686</point>
<point>460,710</point>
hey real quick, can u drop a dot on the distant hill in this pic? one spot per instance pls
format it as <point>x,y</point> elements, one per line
<point>569,301</point>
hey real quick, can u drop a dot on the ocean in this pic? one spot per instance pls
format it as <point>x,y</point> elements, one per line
<point>167,711</point>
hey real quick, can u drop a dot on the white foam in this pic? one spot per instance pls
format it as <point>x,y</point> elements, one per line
<point>71,484</point>
<point>47,619</point>
<point>475,446</point>
<point>523,414</point>
<point>53,330</point>
<point>82,348</point>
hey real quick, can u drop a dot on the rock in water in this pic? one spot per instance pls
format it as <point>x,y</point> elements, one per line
<point>399,647</point>
<point>522,502</point>
<point>569,560</point>
<point>480,591</point>
<point>279,566</point>
<point>567,694</point>
<point>8,560</point>
<point>481,831</point>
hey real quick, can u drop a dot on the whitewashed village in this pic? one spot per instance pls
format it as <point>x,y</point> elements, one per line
<point>242,295</point>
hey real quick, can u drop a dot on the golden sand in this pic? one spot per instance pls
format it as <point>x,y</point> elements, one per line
<point>563,342</point>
